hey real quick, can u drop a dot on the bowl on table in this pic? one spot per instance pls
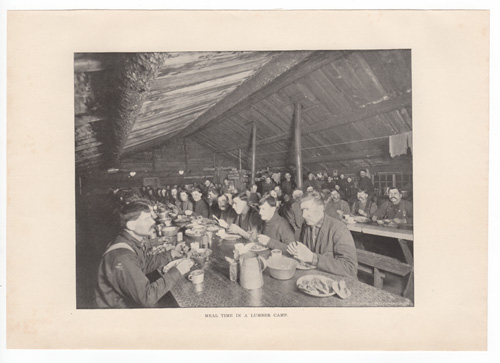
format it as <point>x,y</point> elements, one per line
<point>282,268</point>
<point>169,231</point>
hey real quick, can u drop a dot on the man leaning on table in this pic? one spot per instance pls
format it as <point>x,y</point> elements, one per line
<point>121,277</point>
<point>327,243</point>
<point>396,209</point>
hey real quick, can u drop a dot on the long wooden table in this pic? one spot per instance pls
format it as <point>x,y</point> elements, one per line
<point>218,290</point>
<point>403,234</point>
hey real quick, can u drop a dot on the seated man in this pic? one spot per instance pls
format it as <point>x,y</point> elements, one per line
<point>327,243</point>
<point>277,232</point>
<point>363,206</point>
<point>121,277</point>
<point>292,212</point>
<point>227,213</point>
<point>247,223</point>
<point>396,209</point>
<point>200,207</point>
<point>337,207</point>
<point>184,204</point>
<point>213,205</point>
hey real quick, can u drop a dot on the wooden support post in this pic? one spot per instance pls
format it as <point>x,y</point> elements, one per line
<point>254,150</point>
<point>239,157</point>
<point>298,145</point>
<point>186,166</point>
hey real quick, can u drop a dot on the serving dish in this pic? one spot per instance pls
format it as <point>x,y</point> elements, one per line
<point>281,268</point>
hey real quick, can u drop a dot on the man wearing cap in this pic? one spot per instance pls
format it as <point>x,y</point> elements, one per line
<point>326,242</point>
<point>200,207</point>
<point>121,277</point>
<point>277,232</point>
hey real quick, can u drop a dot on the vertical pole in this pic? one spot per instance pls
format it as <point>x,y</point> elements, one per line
<point>254,149</point>
<point>185,157</point>
<point>298,144</point>
<point>153,160</point>
<point>239,156</point>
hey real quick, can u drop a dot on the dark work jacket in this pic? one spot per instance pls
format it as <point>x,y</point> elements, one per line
<point>201,208</point>
<point>334,247</point>
<point>280,232</point>
<point>251,222</point>
<point>266,188</point>
<point>214,209</point>
<point>366,184</point>
<point>293,214</point>
<point>329,185</point>
<point>122,280</point>
<point>229,215</point>
<point>287,187</point>
<point>331,208</point>
<point>404,209</point>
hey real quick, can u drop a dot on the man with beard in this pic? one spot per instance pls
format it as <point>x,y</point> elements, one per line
<point>227,212</point>
<point>213,206</point>
<point>363,206</point>
<point>277,232</point>
<point>121,277</point>
<point>327,243</point>
<point>200,207</point>
<point>396,209</point>
<point>337,207</point>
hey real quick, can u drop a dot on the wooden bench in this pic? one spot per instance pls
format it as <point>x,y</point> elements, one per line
<point>375,264</point>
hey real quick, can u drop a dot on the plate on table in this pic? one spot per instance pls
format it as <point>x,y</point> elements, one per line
<point>258,248</point>
<point>196,226</point>
<point>305,266</point>
<point>194,232</point>
<point>361,219</point>
<point>213,228</point>
<point>316,285</point>
<point>231,237</point>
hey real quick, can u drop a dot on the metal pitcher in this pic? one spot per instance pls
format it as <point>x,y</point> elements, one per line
<point>251,267</point>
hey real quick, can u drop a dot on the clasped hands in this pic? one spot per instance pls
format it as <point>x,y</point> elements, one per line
<point>300,251</point>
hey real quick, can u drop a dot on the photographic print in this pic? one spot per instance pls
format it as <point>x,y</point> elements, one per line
<point>244,179</point>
